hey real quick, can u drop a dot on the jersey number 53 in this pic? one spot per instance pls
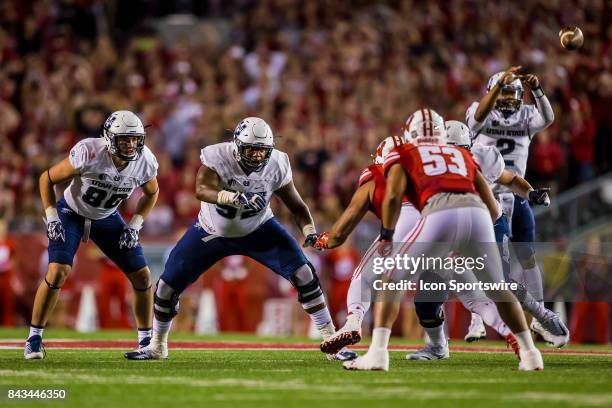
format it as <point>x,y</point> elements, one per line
<point>434,160</point>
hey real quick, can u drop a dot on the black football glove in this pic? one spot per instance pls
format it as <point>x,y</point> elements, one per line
<point>539,196</point>
<point>310,240</point>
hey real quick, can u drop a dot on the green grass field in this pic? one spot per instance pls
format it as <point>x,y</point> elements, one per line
<point>298,378</point>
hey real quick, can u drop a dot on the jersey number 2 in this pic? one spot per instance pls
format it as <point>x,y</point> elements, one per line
<point>94,196</point>
<point>434,162</point>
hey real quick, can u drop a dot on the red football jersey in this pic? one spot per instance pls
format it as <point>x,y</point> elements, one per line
<point>376,172</point>
<point>433,169</point>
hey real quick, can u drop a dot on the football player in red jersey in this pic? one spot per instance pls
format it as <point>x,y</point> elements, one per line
<point>369,196</point>
<point>444,183</point>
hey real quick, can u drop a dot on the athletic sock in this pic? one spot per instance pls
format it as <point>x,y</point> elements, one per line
<point>437,337</point>
<point>524,340</point>
<point>143,334</point>
<point>380,339</point>
<point>36,331</point>
<point>321,317</point>
<point>533,283</point>
<point>490,316</point>
<point>161,330</point>
<point>355,303</point>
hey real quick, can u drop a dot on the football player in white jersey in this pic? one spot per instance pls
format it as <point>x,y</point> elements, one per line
<point>103,172</point>
<point>235,185</point>
<point>501,119</point>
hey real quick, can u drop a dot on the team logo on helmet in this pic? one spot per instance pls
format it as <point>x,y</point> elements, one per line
<point>384,147</point>
<point>253,133</point>
<point>121,124</point>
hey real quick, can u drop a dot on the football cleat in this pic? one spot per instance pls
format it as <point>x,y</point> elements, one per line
<point>511,342</point>
<point>144,342</point>
<point>531,360</point>
<point>34,349</point>
<point>430,352</point>
<point>344,354</point>
<point>552,329</point>
<point>348,335</point>
<point>153,351</point>
<point>370,361</point>
<point>477,329</point>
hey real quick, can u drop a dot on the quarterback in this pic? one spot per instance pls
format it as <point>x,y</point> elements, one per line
<point>235,184</point>
<point>103,172</point>
<point>501,119</point>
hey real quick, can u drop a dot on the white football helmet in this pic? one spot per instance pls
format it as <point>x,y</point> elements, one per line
<point>511,97</point>
<point>123,123</point>
<point>426,126</point>
<point>253,132</point>
<point>385,147</point>
<point>458,134</point>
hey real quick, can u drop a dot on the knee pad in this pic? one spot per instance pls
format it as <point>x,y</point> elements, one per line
<point>308,290</point>
<point>430,314</point>
<point>165,300</point>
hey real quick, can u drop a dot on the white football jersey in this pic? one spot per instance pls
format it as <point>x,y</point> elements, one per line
<point>99,188</point>
<point>511,135</point>
<point>491,164</point>
<point>231,222</point>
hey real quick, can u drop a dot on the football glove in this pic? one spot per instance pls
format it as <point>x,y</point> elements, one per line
<point>251,201</point>
<point>321,241</point>
<point>55,231</point>
<point>128,239</point>
<point>539,196</point>
<point>312,239</point>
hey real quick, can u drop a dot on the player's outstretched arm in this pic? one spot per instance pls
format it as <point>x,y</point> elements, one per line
<point>486,195</point>
<point>392,203</point>
<point>546,114</point>
<point>522,188</point>
<point>488,101</point>
<point>351,216</point>
<point>292,199</point>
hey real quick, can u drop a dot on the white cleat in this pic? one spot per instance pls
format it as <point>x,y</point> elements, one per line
<point>154,351</point>
<point>348,335</point>
<point>552,329</point>
<point>370,361</point>
<point>531,360</point>
<point>430,352</point>
<point>477,329</point>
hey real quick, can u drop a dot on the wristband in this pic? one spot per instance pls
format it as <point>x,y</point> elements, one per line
<point>386,234</point>
<point>308,229</point>
<point>225,197</point>
<point>538,92</point>
<point>51,214</point>
<point>136,222</point>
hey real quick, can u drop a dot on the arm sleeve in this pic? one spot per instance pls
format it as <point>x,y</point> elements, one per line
<point>474,126</point>
<point>79,155</point>
<point>541,115</point>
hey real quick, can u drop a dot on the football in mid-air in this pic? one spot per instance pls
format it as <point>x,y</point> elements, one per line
<point>571,37</point>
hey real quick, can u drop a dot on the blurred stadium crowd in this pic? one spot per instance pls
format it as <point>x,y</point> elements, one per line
<point>332,77</point>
